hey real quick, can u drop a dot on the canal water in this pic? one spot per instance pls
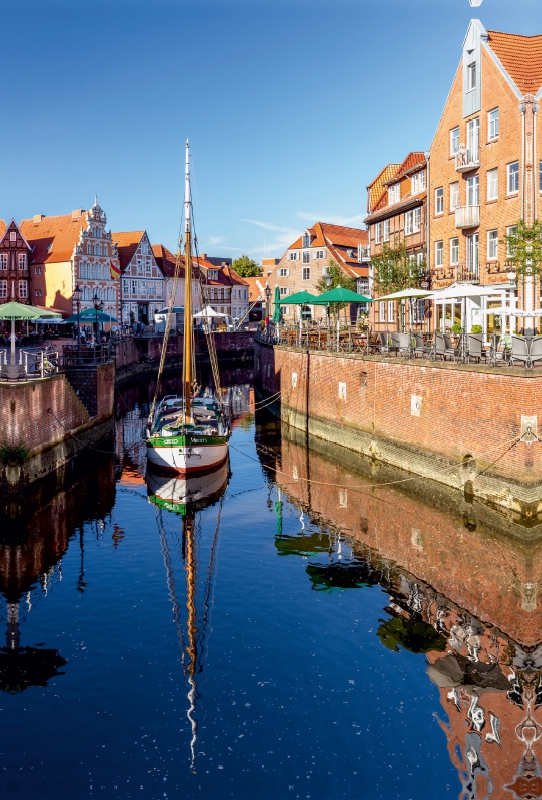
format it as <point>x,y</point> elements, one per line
<point>287,627</point>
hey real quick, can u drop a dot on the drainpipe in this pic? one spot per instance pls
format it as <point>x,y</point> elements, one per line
<point>427,237</point>
<point>521,207</point>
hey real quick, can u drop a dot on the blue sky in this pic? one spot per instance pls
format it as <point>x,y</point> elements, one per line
<point>291,107</point>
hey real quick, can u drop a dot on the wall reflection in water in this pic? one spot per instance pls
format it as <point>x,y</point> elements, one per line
<point>464,588</point>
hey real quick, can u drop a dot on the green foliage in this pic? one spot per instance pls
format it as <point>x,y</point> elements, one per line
<point>338,278</point>
<point>13,454</point>
<point>394,271</point>
<point>524,247</point>
<point>412,634</point>
<point>456,327</point>
<point>246,267</point>
<point>476,329</point>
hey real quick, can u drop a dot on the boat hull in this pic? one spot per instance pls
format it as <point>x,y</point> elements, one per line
<point>185,455</point>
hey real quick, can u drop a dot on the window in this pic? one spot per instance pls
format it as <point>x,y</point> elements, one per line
<point>87,293</point>
<point>473,198</point>
<point>391,310</point>
<point>126,286</point>
<point>13,236</point>
<point>23,290</point>
<point>285,309</point>
<point>306,239</point>
<point>454,141</point>
<point>320,254</point>
<point>144,247</point>
<point>493,124</point>
<point>306,273</point>
<point>3,260</point>
<point>408,222</point>
<point>454,251</point>
<point>37,270</point>
<point>3,289</point>
<point>381,311</point>
<point>284,272</point>
<point>417,182</point>
<point>378,232</point>
<point>439,254</point>
<point>416,219</point>
<point>88,249</point>
<point>148,270</point>
<point>473,139</point>
<point>293,256</point>
<point>454,195</point>
<point>97,249</point>
<point>439,200</point>
<point>386,230</point>
<point>492,184</point>
<point>21,260</point>
<point>394,194</point>
<point>284,290</point>
<point>512,183</point>
<point>84,270</point>
<point>38,292</point>
<point>492,245</point>
<point>306,256</point>
<point>471,76</point>
<point>510,231</point>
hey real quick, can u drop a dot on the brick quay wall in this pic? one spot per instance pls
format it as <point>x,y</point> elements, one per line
<point>444,421</point>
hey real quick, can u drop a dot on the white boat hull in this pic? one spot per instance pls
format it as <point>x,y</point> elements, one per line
<point>177,458</point>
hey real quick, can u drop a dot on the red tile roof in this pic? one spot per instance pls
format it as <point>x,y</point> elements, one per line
<point>521,56</point>
<point>376,188</point>
<point>128,242</point>
<point>342,242</point>
<point>53,238</point>
<point>256,288</point>
<point>166,260</point>
<point>413,160</point>
<point>3,228</point>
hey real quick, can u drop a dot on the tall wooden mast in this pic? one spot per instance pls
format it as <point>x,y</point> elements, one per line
<point>187,349</point>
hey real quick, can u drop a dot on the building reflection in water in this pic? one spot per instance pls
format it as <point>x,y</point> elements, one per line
<point>464,588</point>
<point>187,497</point>
<point>35,531</point>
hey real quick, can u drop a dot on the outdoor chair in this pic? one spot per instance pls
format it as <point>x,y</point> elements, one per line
<point>443,347</point>
<point>474,346</point>
<point>498,350</point>
<point>400,343</point>
<point>420,348</point>
<point>536,351</point>
<point>519,352</point>
<point>384,343</point>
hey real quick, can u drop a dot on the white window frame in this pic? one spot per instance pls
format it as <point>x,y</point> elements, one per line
<point>394,193</point>
<point>492,245</point>
<point>454,140</point>
<point>22,262</point>
<point>509,230</point>
<point>293,256</point>
<point>409,223</point>
<point>439,200</point>
<point>13,236</point>
<point>493,184</point>
<point>306,239</point>
<point>454,195</point>
<point>306,274</point>
<point>319,254</point>
<point>381,310</point>
<point>284,290</point>
<point>23,289</point>
<point>493,125</point>
<point>473,190</point>
<point>416,219</point>
<point>454,246</point>
<point>439,254</point>
<point>386,230</point>
<point>471,76</point>
<point>391,310</point>
<point>509,175</point>
<point>378,232</point>
<point>306,257</point>
<point>284,272</point>
<point>3,261</point>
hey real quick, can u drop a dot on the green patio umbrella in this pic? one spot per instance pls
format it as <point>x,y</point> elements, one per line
<point>340,295</point>
<point>276,313</point>
<point>298,299</point>
<point>91,315</point>
<point>17,311</point>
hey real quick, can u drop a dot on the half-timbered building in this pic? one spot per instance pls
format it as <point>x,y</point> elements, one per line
<point>14,265</point>
<point>142,279</point>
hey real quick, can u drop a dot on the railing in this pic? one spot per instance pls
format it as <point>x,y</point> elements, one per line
<point>86,355</point>
<point>467,273</point>
<point>39,363</point>
<point>3,357</point>
<point>467,158</point>
<point>467,216</point>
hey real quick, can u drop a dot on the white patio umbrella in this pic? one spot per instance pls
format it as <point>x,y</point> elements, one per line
<point>208,312</point>
<point>405,294</point>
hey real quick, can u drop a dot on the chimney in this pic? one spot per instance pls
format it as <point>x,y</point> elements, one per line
<point>38,218</point>
<point>77,213</point>
<point>203,255</point>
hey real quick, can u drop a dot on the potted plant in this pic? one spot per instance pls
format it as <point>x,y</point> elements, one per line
<point>476,329</point>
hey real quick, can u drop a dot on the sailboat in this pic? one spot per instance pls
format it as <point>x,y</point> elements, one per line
<point>189,433</point>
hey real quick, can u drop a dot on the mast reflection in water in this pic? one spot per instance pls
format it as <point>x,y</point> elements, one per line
<point>286,630</point>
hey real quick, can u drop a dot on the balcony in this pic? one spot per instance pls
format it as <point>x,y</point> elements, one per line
<point>467,159</point>
<point>467,273</point>
<point>467,216</point>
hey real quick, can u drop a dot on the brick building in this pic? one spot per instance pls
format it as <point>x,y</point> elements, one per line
<point>485,170</point>
<point>15,254</point>
<point>397,206</point>
<point>69,250</point>
<point>307,261</point>
<point>142,280</point>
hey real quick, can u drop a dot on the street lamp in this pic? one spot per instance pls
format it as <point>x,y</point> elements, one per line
<point>98,305</point>
<point>77,295</point>
<point>328,280</point>
<point>267,299</point>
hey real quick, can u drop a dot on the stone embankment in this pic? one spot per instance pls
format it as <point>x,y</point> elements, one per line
<point>457,424</point>
<point>44,423</point>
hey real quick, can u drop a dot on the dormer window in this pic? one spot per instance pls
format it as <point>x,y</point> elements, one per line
<point>471,76</point>
<point>418,182</point>
<point>394,194</point>
<point>306,239</point>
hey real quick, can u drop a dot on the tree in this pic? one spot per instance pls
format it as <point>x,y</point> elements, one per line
<point>335,277</point>
<point>246,267</point>
<point>524,247</point>
<point>393,270</point>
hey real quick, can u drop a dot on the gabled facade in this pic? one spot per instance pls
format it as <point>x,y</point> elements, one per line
<point>486,168</point>
<point>307,261</point>
<point>15,254</point>
<point>73,250</point>
<point>223,289</point>
<point>397,206</point>
<point>142,282</point>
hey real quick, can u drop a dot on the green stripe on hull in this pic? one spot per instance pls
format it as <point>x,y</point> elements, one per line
<point>187,441</point>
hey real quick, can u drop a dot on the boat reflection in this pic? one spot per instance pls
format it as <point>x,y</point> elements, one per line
<point>464,589</point>
<point>187,496</point>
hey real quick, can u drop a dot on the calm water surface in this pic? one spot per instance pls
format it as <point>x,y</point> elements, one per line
<point>283,638</point>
